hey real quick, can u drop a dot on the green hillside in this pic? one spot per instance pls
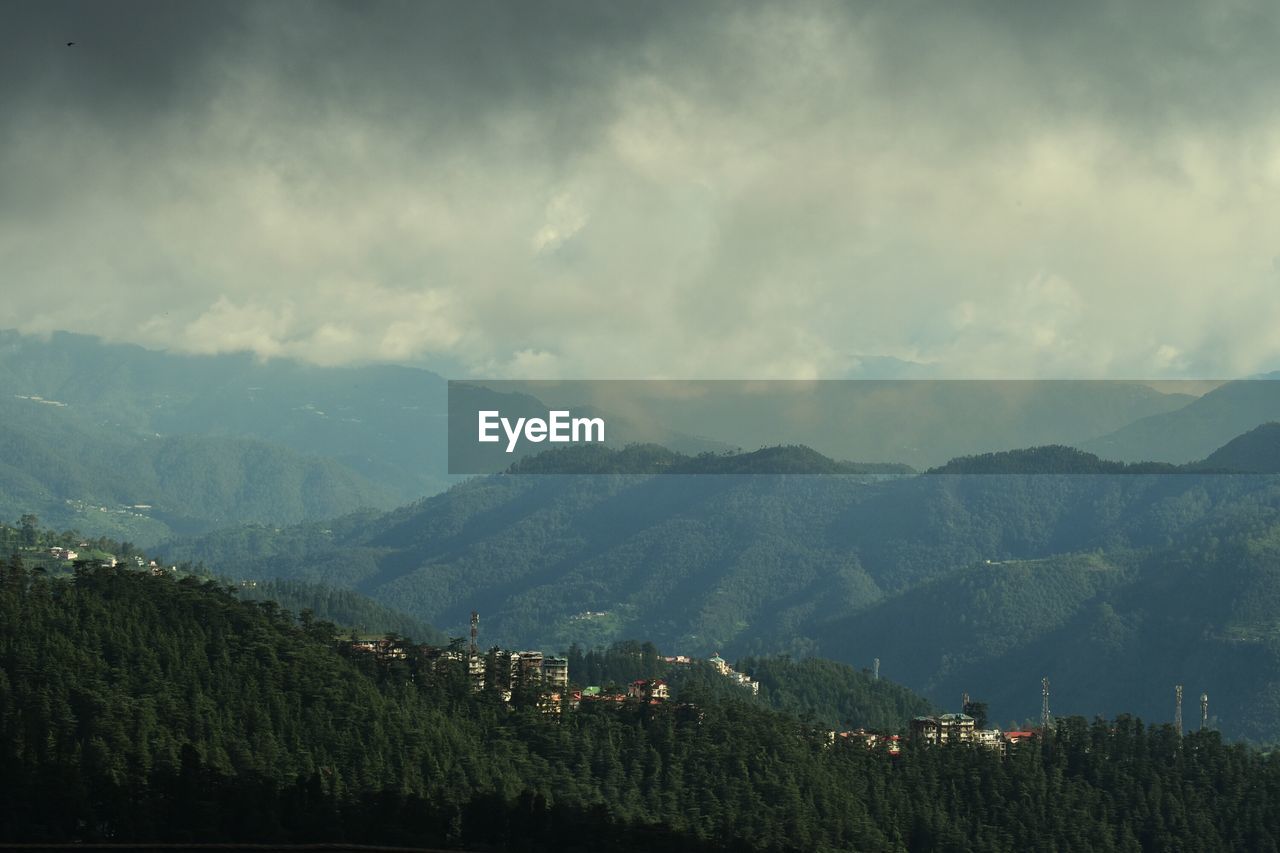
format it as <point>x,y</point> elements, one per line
<point>384,423</point>
<point>147,488</point>
<point>1255,452</point>
<point>982,583</point>
<point>140,709</point>
<point>1193,431</point>
<point>833,694</point>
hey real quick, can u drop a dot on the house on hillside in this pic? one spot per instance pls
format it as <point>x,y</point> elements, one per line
<point>649,690</point>
<point>1015,738</point>
<point>955,728</point>
<point>744,680</point>
<point>947,728</point>
<point>555,673</point>
<point>990,738</point>
<point>924,730</point>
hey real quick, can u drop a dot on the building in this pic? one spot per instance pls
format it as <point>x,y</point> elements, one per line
<point>744,680</point>
<point>476,671</point>
<point>721,666</point>
<point>555,673</point>
<point>551,702</point>
<point>526,667</point>
<point>859,737</point>
<point>947,728</point>
<point>990,738</point>
<point>593,693</point>
<point>925,730</point>
<point>649,690</point>
<point>955,728</point>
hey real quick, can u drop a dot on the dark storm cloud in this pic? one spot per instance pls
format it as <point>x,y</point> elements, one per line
<point>450,61</point>
<point>130,60</point>
<point>650,188</point>
<point>391,60</point>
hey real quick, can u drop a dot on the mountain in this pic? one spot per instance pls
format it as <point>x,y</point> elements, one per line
<point>277,441</point>
<point>1053,459</point>
<point>920,423</point>
<point>1255,452</point>
<point>844,565</point>
<point>385,423</point>
<point>834,694</point>
<point>139,710</point>
<point>1109,630</point>
<point>656,459</point>
<point>147,488</point>
<point>467,456</point>
<point>347,609</point>
<point>1193,431</point>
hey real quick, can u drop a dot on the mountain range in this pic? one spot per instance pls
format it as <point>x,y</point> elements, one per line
<point>995,569</point>
<point>1114,585</point>
<point>93,429</point>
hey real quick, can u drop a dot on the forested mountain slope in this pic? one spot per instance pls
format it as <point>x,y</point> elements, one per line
<point>136,708</point>
<point>766,563</point>
<point>1197,429</point>
<point>146,488</point>
<point>385,423</point>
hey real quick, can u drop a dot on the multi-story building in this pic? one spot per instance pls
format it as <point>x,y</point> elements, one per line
<point>955,728</point>
<point>555,673</point>
<point>476,671</point>
<point>925,729</point>
<point>527,667</point>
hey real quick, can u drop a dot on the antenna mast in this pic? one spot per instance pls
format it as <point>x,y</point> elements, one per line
<point>1204,711</point>
<point>475,633</point>
<point>1044,704</point>
<point>1177,708</point>
<point>875,670</point>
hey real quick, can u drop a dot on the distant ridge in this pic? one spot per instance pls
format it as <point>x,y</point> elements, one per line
<point>1115,587</point>
<point>1255,452</point>
<point>1050,459</point>
<point>655,459</point>
<point>1194,431</point>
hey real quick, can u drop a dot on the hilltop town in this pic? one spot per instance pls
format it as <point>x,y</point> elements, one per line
<point>532,677</point>
<point>545,681</point>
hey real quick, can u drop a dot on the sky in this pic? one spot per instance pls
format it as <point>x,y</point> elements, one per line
<point>652,190</point>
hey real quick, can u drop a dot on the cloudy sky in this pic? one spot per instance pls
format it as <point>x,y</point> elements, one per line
<point>546,189</point>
